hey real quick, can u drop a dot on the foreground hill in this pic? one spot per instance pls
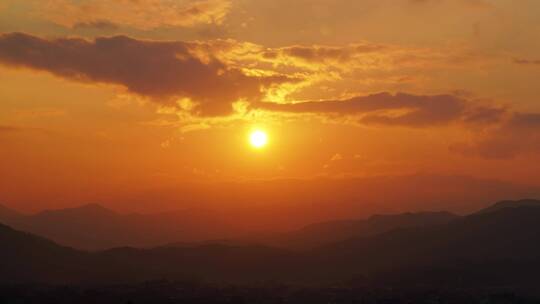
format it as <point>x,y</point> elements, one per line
<point>26,257</point>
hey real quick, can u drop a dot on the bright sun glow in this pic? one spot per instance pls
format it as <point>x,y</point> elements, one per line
<point>258,139</point>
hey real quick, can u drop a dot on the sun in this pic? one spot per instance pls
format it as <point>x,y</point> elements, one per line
<point>258,139</point>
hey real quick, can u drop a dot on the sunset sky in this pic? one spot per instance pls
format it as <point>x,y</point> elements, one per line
<point>102,98</point>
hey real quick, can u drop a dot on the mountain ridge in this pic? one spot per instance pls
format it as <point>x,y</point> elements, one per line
<point>529,202</point>
<point>318,234</point>
<point>472,246</point>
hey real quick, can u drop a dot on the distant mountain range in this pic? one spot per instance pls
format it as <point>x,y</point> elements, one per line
<point>93,227</point>
<point>500,247</point>
<point>319,234</point>
<point>222,210</point>
<point>511,204</point>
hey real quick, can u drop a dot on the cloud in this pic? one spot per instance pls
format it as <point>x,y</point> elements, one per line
<point>336,157</point>
<point>7,129</point>
<point>366,56</point>
<point>526,61</point>
<point>39,113</point>
<point>520,134</point>
<point>142,14</point>
<point>163,70</point>
<point>215,74</point>
<point>399,109</point>
<point>96,25</point>
<point>316,55</point>
<point>525,121</point>
<point>336,71</point>
<point>481,115</point>
<point>475,4</point>
<point>344,60</point>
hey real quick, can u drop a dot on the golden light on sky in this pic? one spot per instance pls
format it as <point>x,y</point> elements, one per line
<point>127,94</point>
<point>242,120</point>
<point>258,139</point>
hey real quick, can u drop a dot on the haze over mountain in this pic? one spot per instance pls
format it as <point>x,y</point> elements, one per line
<point>93,227</point>
<point>270,208</point>
<point>295,202</point>
<point>9,216</point>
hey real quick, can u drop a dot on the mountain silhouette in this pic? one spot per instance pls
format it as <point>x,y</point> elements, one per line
<point>511,204</point>
<point>234,214</point>
<point>94,227</point>
<point>8,215</point>
<point>499,248</point>
<point>25,257</point>
<point>319,234</point>
<point>502,245</point>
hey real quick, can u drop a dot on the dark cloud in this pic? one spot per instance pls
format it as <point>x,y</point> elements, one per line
<point>485,115</point>
<point>526,61</point>
<point>525,121</point>
<point>408,109</point>
<point>478,4</point>
<point>317,54</point>
<point>323,54</point>
<point>518,135</point>
<point>8,129</point>
<point>161,70</point>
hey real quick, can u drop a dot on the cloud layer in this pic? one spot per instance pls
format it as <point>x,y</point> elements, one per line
<point>520,134</point>
<point>161,70</point>
<point>400,109</point>
<point>215,74</point>
<point>142,14</point>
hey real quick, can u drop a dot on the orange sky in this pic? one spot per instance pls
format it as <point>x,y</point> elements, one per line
<point>102,98</point>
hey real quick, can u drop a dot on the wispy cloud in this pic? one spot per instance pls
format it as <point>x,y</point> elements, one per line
<point>396,109</point>
<point>142,14</point>
<point>526,61</point>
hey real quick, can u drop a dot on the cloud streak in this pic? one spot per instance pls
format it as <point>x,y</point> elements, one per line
<point>526,61</point>
<point>141,14</point>
<point>8,129</point>
<point>399,109</point>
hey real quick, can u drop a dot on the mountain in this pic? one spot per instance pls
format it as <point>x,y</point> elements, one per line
<point>94,227</point>
<point>9,215</point>
<point>25,257</point>
<point>500,248</point>
<point>494,248</point>
<point>511,204</point>
<point>319,234</point>
<point>238,209</point>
